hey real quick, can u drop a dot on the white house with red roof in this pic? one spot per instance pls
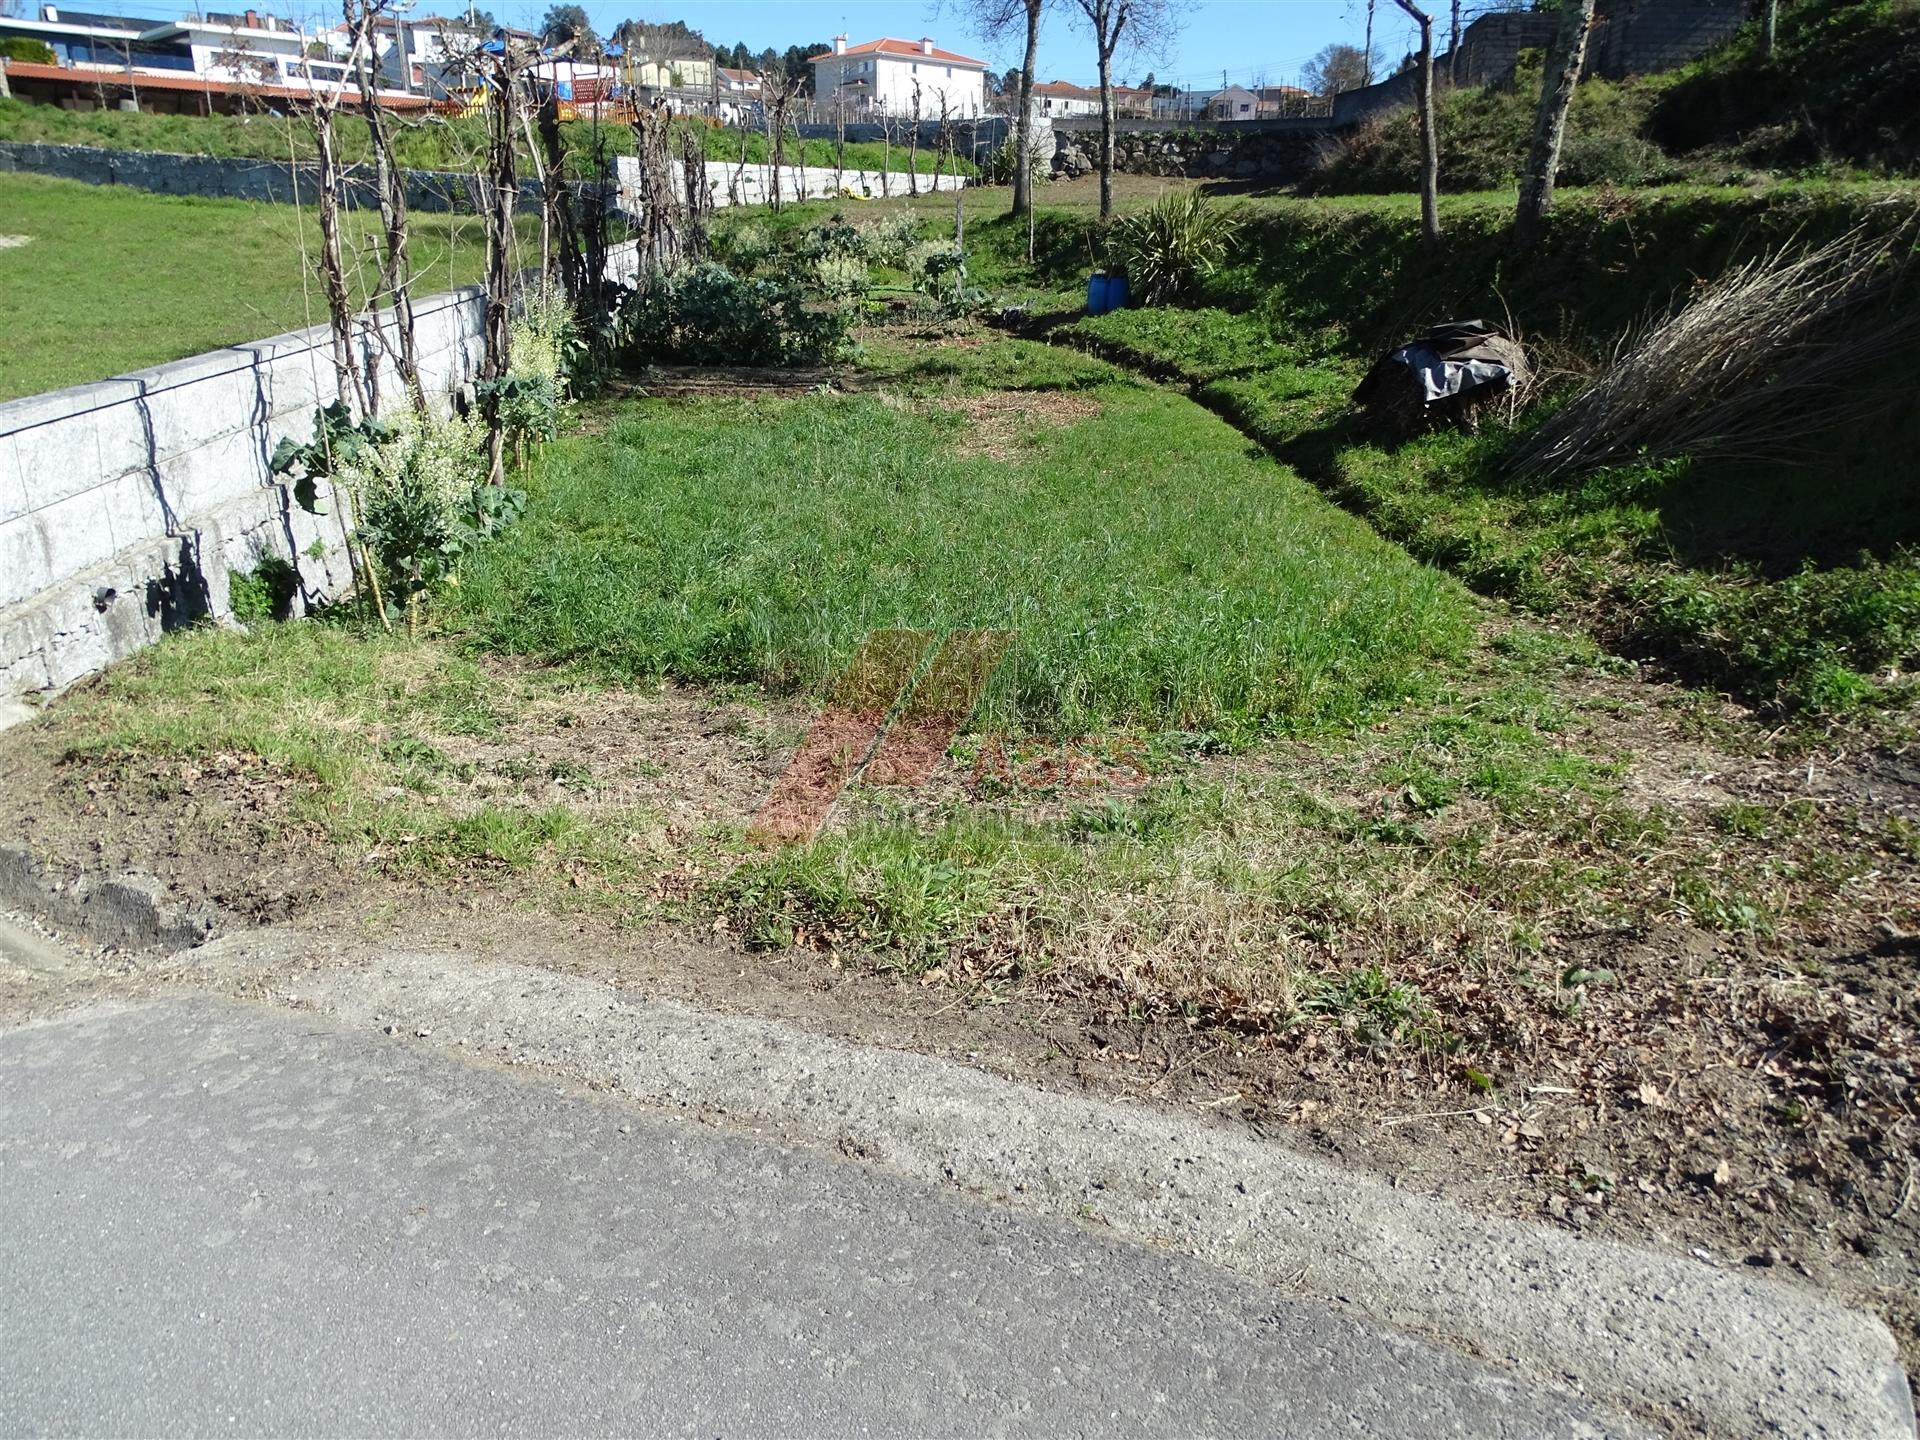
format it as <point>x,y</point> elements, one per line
<point>881,77</point>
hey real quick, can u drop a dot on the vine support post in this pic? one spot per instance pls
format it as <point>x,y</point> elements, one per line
<point>501,191</point>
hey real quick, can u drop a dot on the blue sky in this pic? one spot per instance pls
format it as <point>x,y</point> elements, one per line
<point>1246,38</point>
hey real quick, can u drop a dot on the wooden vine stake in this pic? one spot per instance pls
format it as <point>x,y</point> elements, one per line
<point>348,375</point>
<point>499,192</point>
<point>396,273</point>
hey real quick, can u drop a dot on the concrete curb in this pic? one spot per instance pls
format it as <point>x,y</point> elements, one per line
<point>1658,1335</point>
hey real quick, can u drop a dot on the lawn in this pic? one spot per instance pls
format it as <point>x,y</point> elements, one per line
<point>439,142</point>
<point>111,280</point>
<point>1154,572</point>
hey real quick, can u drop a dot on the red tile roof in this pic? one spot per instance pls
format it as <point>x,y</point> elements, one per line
<point>904,50</point>
<point>116,78</point>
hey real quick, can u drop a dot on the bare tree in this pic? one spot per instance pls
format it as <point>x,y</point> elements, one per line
<point>1137,24</point>
<point>1453,48</point>
<point>1367,48</point>
<point>500,193</point>
<point>1336,68</point>
<point>779,92</point>
<point>913,144</point>
<point>1769,27</point>
<point>1429,135</point>
<point>396,274</point>
<point>996,19</point>
<point>1550,121</point>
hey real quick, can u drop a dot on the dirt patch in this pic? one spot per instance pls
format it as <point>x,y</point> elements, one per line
<point>999,424</point>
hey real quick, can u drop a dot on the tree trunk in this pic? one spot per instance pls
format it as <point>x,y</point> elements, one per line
<point>1023,117</point>
<point>333,271</point>
<point>396,276</point>
<point>1366,57</point>
<point>1550,122</point>
<point>1106,131</point>
<point>1429,131</point>
<point>1453,48</point>
<point>503,189</point>
<point>1769,27</point>
<point>913,145</point>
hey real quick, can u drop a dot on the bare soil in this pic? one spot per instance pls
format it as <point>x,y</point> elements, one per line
<point>1750,1099</point>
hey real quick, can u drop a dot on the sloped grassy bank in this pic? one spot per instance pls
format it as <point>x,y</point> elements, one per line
<point>1794,584</point>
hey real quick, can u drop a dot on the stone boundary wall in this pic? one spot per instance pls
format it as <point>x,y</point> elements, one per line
<point>127,506</point>
<point>1252,150</point>
<point>277,181</point>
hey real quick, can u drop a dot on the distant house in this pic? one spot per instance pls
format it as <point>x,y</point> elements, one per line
<point>881,77</point>
<point>1057,99</point>
<point>1275,101</point>
<point>1181,105</point>
<point>205,62</point>
<point>740,94</point>
<point>1236,102</point>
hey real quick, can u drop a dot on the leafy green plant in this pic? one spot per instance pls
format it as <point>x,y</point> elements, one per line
<point>743,249</point>
<point>939,271</point>
<point>706,314</point>
<point>527,407</point>
<point>265,592</point>
<point>1171,246</point>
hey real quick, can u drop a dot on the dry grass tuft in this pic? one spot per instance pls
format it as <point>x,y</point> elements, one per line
<point>1772,353</point>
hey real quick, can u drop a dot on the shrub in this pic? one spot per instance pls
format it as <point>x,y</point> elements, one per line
<point>414,485</point>
<point>939,272</point>
<point>542,337</point>
<point>840,277</point>
<point>891,238</point>
<point>1171,246</point>
<point>707,315</point>
<point>741,248</point>
<point>26,50</point>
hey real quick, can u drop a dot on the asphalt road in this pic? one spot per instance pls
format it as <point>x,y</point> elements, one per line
<point>221,1218</point>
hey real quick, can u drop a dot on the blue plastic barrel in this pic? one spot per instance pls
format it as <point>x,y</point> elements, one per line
<point>1097,293</point>
<point>1117,295</point>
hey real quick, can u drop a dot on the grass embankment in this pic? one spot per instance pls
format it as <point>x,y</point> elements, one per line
<point>1440,815</point>
<point>1792,583</point>
<point>1833,99</point>
<point>111,280</point>
<point>442,142</point>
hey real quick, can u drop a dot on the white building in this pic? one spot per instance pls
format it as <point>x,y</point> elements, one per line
<point>1057,99</point>
<point>882,76</point>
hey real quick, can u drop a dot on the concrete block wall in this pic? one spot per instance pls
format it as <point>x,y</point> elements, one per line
<point>753,184</point>
<point>277,181</point>
<point>127,506</point>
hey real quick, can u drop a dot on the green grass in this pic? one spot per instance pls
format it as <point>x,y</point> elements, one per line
<point>113,280</point>
<point>439,143</point>
<point>1154,572</point>
<point>1792,584</point>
